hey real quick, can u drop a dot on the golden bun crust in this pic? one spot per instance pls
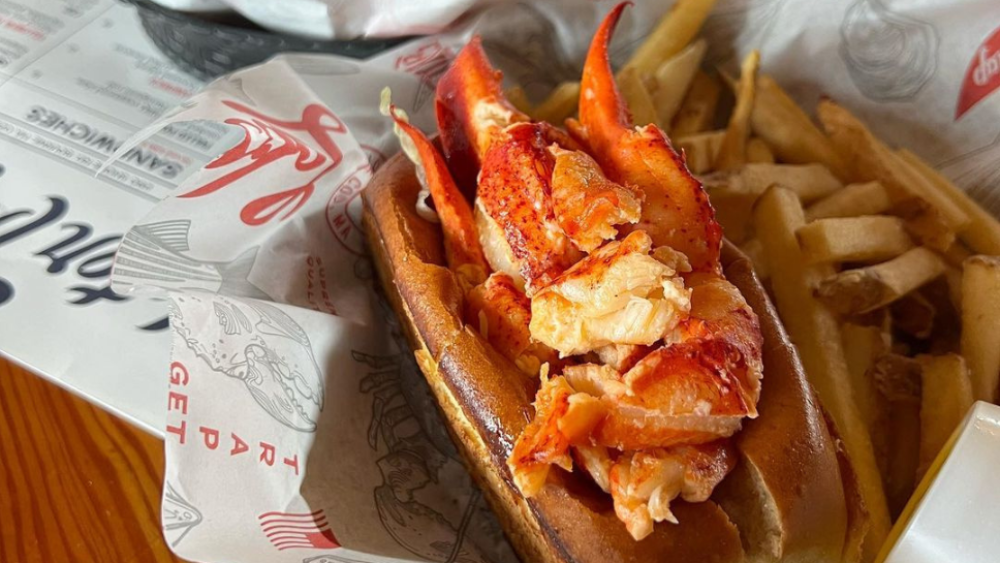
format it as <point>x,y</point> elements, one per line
<point>788,457</point>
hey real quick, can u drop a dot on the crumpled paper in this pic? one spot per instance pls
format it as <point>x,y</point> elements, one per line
<point>298,427</point>
<point>339,20</point>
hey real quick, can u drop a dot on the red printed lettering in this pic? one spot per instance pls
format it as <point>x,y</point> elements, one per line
<point>982,77</point>
<point>211,437</point>
<point>180,431</point>
<point>178,374</point>
<point>267,453</point>
<point>177,401</point>
<point>293,463</point>
<point>239,446</point>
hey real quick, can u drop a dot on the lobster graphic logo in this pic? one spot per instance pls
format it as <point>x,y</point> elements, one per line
<point>983,76</point>
<point>267,141</point>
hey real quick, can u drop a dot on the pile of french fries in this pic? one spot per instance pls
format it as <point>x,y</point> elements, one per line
<point>885,274</point>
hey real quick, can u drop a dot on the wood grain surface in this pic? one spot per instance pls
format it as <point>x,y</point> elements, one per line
<point>76,483</point>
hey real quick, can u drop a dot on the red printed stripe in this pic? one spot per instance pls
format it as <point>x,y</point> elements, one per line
<point>291,514</point>
<point>290,530</point>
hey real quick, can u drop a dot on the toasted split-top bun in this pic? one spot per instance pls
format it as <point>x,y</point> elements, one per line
<point>784,501</point>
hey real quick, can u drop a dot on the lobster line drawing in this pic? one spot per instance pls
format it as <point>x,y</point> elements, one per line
<point>412,462</point>
<point>264,348</point>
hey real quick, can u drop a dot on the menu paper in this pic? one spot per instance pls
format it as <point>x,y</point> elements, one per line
<point>297,427</point>
<point>77,79</point>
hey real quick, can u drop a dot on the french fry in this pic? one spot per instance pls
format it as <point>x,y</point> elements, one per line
<point>672,79</point>
<point>864,289</point>
<point>870,238</point>
<point>947,330</point>
<point>898,381</point>
<point>953,276</point>
<point>700,149</point>
<point>639,102</point>
<point>869,198</point>
<point>981,324</point>
<point>870,159</point>
<point>733,210</point>
<point>560,104</point>
<point>733,153</point>
<point>862,344</point>
<point>759,152</point>
<point>672,34</point>
<point>982,233</point>
<point>697,111</point>
<point>956,254</point>
<point>516,96</point>
<point>946,397</point>
<point>879,318</point>
<point>755,252</point>
<point>816,334</point>
<point>789,132</point>
<point>808,181</point>
<point>914,314</point>
<point>925,223</point>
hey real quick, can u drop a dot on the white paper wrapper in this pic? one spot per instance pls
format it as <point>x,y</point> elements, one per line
<point>298,428</point>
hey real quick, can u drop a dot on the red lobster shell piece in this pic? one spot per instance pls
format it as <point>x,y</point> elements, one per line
<point>461,241</point>
<point>676,212</point>
<point>471,109</point>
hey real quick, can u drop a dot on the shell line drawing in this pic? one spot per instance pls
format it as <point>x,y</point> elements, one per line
<point>889,56</point>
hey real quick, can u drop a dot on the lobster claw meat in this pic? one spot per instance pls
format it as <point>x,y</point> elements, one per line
<point>676,212</point>
<point>461,242</point>
<point>471,110</point>
<point>541,199</point>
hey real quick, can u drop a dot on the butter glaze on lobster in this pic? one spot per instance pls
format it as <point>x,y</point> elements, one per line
<point>591,261</point>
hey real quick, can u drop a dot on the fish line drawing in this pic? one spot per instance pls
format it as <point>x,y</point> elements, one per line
<point>178,515</point>
<point>977,171</point>
<point>738,22</point>
<point>889,57</point>
<point>265,349</point>
<point>157,254</point>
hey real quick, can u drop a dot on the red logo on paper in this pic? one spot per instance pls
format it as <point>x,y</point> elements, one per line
<point>344,206</point>
<point>289,530</point>
<point>983,76</point>
<point>343,210</point>
<point>268,140</point>
<point>428,61</point>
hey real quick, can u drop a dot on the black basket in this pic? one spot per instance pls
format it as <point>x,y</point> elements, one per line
<point>209,45</point>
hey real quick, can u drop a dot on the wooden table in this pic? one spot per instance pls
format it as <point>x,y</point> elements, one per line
<point>76,483</point>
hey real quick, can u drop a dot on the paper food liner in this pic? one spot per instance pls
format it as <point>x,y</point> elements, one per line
<point>298,427</point>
